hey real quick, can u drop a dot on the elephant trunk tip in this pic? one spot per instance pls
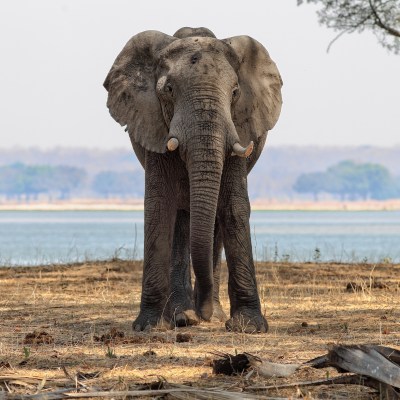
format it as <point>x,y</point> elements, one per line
<point>241,151</point>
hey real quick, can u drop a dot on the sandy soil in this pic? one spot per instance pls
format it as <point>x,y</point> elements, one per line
<point>72,309</point>
<point>261,204</point>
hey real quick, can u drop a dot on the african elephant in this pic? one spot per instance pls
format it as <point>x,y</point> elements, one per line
<point>197,110</point>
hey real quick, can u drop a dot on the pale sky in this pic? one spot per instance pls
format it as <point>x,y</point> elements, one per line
<point>55,55</point>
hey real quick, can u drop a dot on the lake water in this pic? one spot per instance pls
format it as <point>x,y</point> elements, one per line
<point>38,237</point>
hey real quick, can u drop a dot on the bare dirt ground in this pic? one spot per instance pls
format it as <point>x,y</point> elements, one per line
<point>71,325</point>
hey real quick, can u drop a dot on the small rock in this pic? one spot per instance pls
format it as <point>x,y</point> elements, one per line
<point>38,338</point>
<point>379,285</point>
<point>184,337</point>
<point>353,287</point>
<point>149,353</point>
<point>113,335</point>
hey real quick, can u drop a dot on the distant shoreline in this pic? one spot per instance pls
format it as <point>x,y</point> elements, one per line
<point>257,205</point>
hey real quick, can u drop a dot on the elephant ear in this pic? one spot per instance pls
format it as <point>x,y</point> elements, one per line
<point>131,86</point>
<point>259,105</point>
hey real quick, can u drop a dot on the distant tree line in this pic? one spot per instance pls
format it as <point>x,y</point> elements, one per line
<point>119,184</point>
<point>345,180</point>
<point>283,164</point>
<point>28,182</point>
<point>352,181</point>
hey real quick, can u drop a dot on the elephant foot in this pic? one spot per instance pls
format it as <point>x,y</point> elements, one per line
<point>205,310</point>
<point>247,321</point>
<point>186,318</point>
<point>218,313</point>
<point>204,303</point>
<point>146,321</point>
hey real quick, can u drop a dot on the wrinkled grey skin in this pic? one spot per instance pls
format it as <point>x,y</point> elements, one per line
<point>209,94</point>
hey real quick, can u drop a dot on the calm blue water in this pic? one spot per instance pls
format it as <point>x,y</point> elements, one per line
<point>37,237</point>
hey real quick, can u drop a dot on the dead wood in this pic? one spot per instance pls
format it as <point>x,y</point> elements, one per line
<point>228,364</point>
<point>179,393</point>
<point>268,369</point>
<point>387,392</point>
<point>372,366</point>
<point>377,362</point>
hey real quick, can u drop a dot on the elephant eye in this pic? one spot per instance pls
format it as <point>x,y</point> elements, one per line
<point>168,88</point>
<point>235,93</point>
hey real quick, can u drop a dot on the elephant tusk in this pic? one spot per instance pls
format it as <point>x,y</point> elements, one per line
<point>172,144</point>
<point>240,151</point>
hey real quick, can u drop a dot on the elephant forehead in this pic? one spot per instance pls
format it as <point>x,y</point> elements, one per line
<point>199,66</point>
<point>195,48</point>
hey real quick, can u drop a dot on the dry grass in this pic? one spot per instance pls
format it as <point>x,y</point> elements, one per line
<point>307,306</point>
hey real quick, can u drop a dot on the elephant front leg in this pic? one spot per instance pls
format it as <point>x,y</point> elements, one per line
<point>159,219</point>
<point>245,307</point>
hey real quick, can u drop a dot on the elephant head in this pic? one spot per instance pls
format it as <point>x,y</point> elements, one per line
<point>207,99</point>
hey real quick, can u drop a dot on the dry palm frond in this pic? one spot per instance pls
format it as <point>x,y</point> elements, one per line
<point>377,362</point>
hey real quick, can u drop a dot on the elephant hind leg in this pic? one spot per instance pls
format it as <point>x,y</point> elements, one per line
<point>218,313</point>
<point>182,307</point>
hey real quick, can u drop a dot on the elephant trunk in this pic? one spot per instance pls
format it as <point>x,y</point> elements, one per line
<point>205,169</point>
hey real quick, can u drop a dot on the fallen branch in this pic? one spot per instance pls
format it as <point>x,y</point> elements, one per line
<point>377,362</point>
<point>377,367</point>
<point>181,393</point>
<point>268,369</point>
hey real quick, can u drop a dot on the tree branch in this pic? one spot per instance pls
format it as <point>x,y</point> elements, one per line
<point>336,38</point>
<point>380,23</point>
<point>349,30</point>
